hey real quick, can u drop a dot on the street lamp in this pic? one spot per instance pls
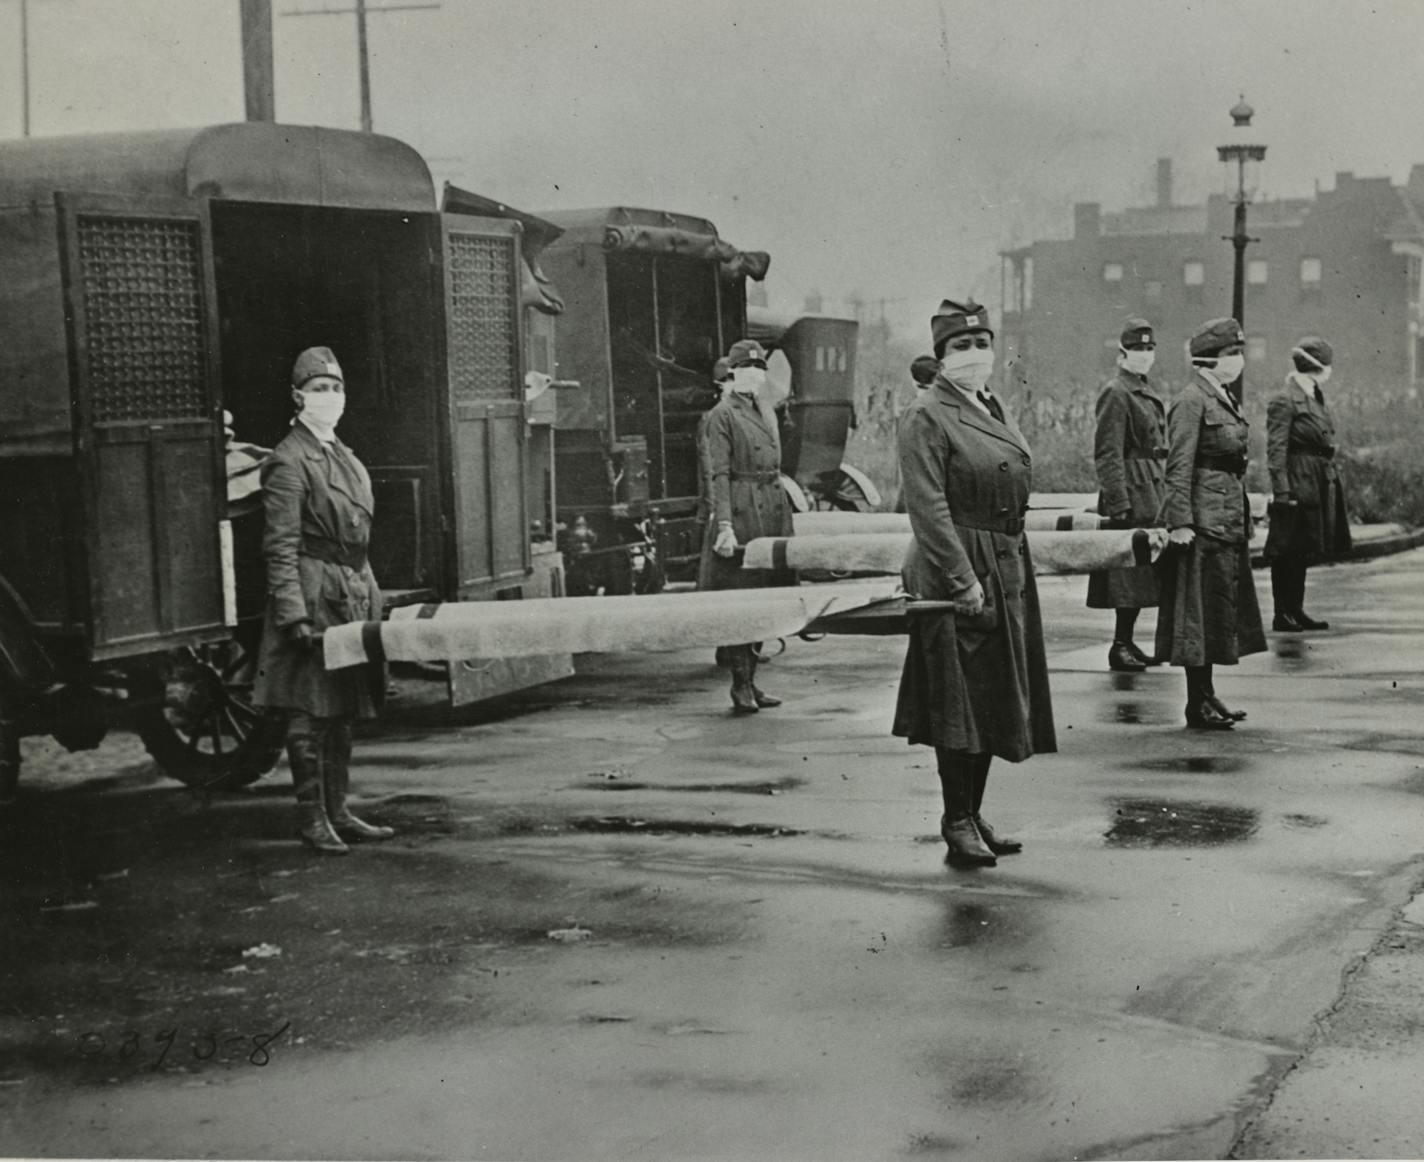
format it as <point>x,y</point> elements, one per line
<point>1247,159</point>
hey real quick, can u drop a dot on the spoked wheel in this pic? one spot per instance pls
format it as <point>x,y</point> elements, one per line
<point>205,730</point>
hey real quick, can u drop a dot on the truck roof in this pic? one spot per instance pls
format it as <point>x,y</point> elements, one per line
<point>250,161</point>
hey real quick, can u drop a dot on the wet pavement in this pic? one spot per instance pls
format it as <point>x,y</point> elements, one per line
<point>619,922</point>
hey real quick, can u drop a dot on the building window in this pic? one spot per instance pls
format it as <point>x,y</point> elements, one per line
<point>1112,272</point>
<point>1256,271</point>
<point>1193,273</point>
<point>1256,348</point>
<point>1311,272</point>
<point>1152,288</point>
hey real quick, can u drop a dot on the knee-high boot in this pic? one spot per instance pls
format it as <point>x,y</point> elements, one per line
<point>338,788</point>
<point>956,826</point>
<point>761,697</point>
<point>306,752</point>
<point>742,659</point>
<point>998,844</point>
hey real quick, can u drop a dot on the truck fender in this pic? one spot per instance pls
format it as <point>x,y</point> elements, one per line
<point>795,495</point>
<point>862,482</point>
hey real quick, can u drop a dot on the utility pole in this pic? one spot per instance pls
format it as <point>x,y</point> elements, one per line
<point>259,95</point>
<point>363,63</point>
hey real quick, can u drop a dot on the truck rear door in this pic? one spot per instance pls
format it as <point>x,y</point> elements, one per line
<point>483,320</point>
<point>140,307</point>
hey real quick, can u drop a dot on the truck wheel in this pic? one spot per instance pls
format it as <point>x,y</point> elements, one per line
<point>204,729</point>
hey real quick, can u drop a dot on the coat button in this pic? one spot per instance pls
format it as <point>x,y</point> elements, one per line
<point>1002,511</point>
<point>1004,467</point>
<point>1028,459</point>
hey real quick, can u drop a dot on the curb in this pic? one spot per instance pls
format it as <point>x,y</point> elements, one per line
<point>1385,546</point>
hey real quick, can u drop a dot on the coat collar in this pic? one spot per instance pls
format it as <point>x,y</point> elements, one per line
<point>971,416</point>
<point>1138,384</point>
<point>339,467</point>
<point>1208,389</point>
<point>749,407</point>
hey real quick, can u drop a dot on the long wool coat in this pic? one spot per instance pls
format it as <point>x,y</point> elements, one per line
<point>1300,453</point>
<point>1129,451</point>
<point>317,500</point>
<point>971,684</point>
<point>740,452</point>
<point>1209,612</point>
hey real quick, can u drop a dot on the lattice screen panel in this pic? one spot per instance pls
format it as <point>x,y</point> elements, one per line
<point>483,351</point>
<point>143,307</point>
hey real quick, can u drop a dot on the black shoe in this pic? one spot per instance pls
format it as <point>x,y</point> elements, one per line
<point>966,846</point>
<point>1205,716</point>
<point>1305,621</point>
<point>998,844</point>
<point>1145,659</point>
<point>1286,623</point>
<point>1124,659</point>
<point>743,700</point>
<point>1221,708</point>
<point>763,699</point>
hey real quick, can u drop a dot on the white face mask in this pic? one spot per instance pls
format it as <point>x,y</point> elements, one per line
<point>1137,362</point>
<point>323,409</point>
<point>969,369</point>
<point>1228,367</point>
<point>748,380</point>
<point>1322,377</point>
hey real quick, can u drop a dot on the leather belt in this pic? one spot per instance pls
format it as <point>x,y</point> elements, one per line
<point>1155,454</point>
<point>333,552</point>
<point>758,477</point>
<point>1236,465</point>
<point>1010,525</point>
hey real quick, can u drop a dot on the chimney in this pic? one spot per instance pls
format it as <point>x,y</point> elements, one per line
<point>1164,183</point>
<point>257,85</point>
<point>1087,220</point>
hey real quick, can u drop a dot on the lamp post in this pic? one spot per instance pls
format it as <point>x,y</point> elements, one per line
<point>1241,154</point>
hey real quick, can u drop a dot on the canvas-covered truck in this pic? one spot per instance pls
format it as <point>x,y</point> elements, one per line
<point>150,281</point>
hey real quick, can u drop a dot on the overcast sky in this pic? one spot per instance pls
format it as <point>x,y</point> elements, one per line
<point>880,148</point>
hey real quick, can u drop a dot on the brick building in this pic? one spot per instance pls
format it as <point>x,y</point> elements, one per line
<point>1344,264</point>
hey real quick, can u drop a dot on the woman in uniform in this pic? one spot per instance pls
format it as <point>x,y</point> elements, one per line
<point>318,505</point>
<point>1208,614</point>
<point>740,453</point>
<point>1308,518</point>
<point>1129,447</point>
<point>975,682</point>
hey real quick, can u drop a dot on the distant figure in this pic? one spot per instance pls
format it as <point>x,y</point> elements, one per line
<point>1308,518</point>
<point>318,503</point>
<point>975,682</point>
<point>1129,450</point>
<point>1208,614</point>
<point>744,500</point>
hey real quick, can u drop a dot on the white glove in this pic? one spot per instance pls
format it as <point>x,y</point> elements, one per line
<point>1182,536</point>
<point>726,543</point>
<point>971,600</point>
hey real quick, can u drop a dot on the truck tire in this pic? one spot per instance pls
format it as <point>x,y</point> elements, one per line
<point>201,726</point>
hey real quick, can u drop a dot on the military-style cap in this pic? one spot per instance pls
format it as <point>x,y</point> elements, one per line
<point>1136,331</point>
<point>746,353</point>
<point>315,361</point>
<point>924,369</point>
<point>957,319</point>
<point>721,370</point>
<point>1214,337</point>
<point>1315,349</point>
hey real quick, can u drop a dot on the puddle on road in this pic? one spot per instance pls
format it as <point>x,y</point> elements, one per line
<point>631,825</point>
<point>761,787</point>
<point>1303,821</point>
<point>1178,823</point>
<point>966,923</point>
<point>1136,714</point>
<point>1291,653</point>
<point>1194,765</point>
